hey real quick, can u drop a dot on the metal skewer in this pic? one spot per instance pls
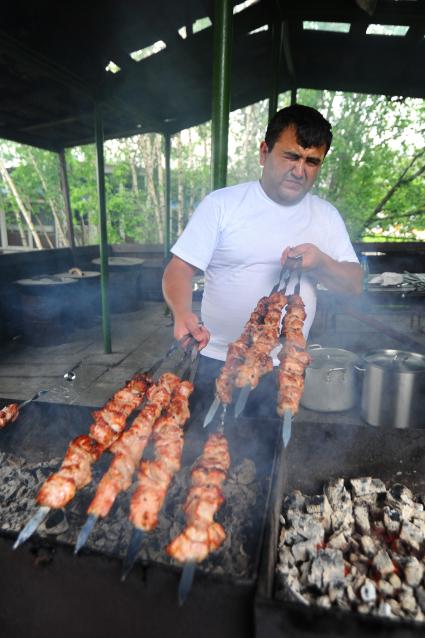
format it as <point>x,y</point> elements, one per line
<point>31,526</point>
<point>85,532</point>
<point>186,582</point>
<point>242,399</point>
<point>134,547</point>
<point>211,412</point>
<point>286,427</point>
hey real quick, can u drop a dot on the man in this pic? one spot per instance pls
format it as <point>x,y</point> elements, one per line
<point>240,235</point>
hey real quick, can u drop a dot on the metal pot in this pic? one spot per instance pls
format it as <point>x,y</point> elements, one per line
<point>330,380</point>
<point>393,388</point>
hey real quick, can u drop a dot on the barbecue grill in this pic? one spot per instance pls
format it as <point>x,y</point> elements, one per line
<point>48,591</point>
<point>318,452</point>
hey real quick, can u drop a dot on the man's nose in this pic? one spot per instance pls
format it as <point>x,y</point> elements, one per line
<point>298,168</point>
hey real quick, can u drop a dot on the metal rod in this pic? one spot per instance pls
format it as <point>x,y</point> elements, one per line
<point>223,34</point>
<point>293,96</point>
<point>85,532</point>
<point>67,201</point>
<point>186,581</point>
<point>167,229</point>
<point>134,547</point>
<point>31,526</point>
<point>277,37</point>
<point>103,247</point>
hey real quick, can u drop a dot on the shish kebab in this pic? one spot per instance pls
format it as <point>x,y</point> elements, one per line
<point>293,361</point>
<point>155,476</point>
<point>202,535</point>
<point>75,472</point>
<point>128,450</point>
<point>259,337</point>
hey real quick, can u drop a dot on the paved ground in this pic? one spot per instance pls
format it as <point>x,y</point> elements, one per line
<point>138,339</point>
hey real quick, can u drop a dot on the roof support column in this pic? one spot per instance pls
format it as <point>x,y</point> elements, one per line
<point>67,201</point>
<point>222,50</point>
<point>277,37</point>
<point>167,228</point>
<point>293,96</point>
<point>103,247</point>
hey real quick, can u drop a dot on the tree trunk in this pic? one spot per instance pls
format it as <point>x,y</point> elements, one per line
<point>25,214</point>
<point>62,236</point>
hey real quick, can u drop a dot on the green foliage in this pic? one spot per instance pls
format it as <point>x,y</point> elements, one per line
<point>369,173</point>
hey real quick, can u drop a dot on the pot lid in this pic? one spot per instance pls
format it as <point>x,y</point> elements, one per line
<point>331,357</point>
<point>398,360</point>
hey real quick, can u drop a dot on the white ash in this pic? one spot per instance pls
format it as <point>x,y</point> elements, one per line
<point>357,546</point>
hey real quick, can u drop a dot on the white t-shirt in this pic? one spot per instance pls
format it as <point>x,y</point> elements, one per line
<point>236,236</point>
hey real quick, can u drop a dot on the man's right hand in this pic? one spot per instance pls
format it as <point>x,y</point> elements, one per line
<point>189,324</point>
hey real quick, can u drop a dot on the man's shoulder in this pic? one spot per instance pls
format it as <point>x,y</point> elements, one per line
<point>235,192</point>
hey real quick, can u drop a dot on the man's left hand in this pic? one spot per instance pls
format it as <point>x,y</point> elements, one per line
<point>312,256</point>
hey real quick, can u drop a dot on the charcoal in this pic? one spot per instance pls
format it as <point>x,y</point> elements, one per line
<point>335,491</point>
<point>383,563</point>
<point>336,591</point>
<point>401,493</point>
<point>304,550</point>
<point>304,569</point>
<point>286,557</point>
<point>411,534</point>
<point>326,568</point>
<point>318,506</point>
<point>407,600</point>
<point>352,597</point>
<point>323,601</point>
<point>343,520</point>
<point>368,591</point>
<point>395,607</point>
<point>392,520</point>
<point>361,517</point>
<point>294,503</point>
<point>413,571</point>
<point>364,608</point>
<point>338,540</point>
<point>420,597</point>
<point>395,581</point>
<point>384,609</point>
<point>304,527</point>
<point>368,545</point>
<point>367,485</point>
<point>386,588</point>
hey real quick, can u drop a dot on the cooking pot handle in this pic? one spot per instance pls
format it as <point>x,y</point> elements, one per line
<point>315,346</point>
<point>358,368</point>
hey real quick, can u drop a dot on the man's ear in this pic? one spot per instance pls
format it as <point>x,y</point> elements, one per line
<point>263,152</point>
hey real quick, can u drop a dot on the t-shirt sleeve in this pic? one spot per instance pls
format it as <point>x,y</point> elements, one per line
<point>340,247</point>
<point>198,241</point>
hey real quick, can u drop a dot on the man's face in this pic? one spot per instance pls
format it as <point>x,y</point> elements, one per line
<point>289,170</point>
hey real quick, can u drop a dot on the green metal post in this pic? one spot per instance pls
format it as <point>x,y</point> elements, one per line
<point>104,278</point>
<point>293,96</point>
<point>167,228</point>
<point>223,33</point>
<point>277,37</point>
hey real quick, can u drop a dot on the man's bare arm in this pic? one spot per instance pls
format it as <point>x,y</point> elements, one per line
<point>177,289</point>
<point>337,276</point>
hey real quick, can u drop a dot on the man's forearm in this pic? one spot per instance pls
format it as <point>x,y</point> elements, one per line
<point>177,286</point>
<point>340,276</point>
<point>177,289</point>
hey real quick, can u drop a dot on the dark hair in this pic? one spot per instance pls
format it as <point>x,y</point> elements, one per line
<point>311,127</point>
